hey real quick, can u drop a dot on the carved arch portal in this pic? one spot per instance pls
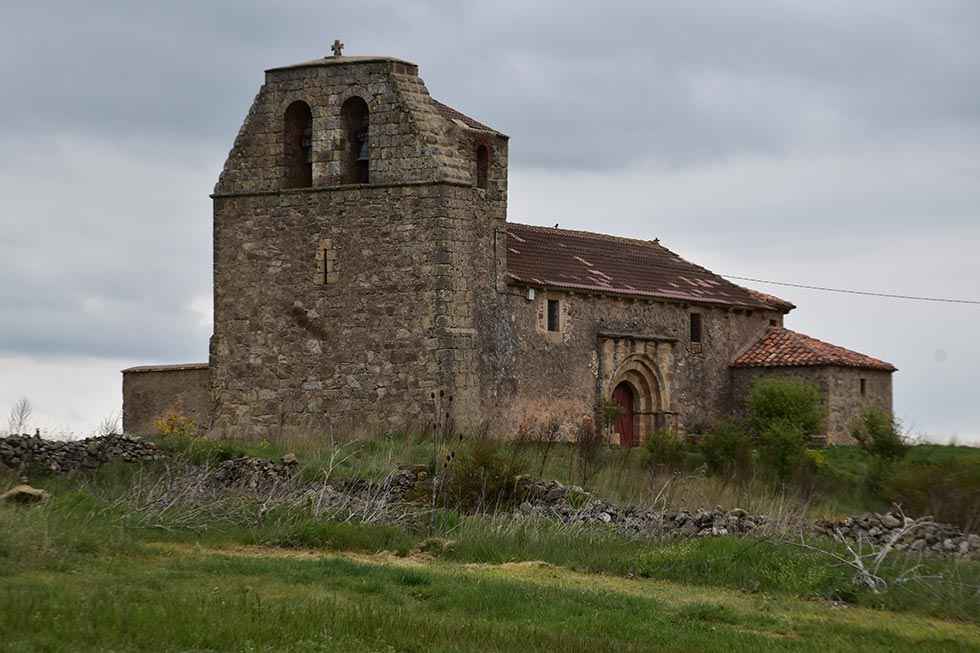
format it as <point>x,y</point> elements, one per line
<point>639,374</point>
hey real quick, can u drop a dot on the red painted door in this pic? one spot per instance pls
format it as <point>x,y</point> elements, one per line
<point>623,396</point>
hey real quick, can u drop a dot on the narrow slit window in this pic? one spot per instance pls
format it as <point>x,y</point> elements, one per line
<point>553,315</point>
<point>696,332</point>
<point>482,165</point>
<point>864,387</point>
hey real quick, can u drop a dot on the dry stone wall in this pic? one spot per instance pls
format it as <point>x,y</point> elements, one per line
<point>30,453</point>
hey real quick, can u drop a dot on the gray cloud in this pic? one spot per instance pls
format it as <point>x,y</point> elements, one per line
<point>595,88</point>
<point>832,142</point>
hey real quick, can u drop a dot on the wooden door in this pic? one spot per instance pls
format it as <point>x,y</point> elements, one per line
<point>624,398</point>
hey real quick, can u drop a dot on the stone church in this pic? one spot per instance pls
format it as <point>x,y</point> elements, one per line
<point>366,279</point>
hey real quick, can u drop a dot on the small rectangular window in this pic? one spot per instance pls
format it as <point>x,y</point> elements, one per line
<point>553,323</point>
<point>864,387</point>
<point>696,327</point>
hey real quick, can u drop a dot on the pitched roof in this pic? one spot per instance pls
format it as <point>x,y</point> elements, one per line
<point>781,347</point>
<point>452,114</point>
<point>581,260</point>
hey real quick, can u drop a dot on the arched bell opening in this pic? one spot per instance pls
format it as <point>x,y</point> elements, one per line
<point>356,121</point>
<point>298,146</point>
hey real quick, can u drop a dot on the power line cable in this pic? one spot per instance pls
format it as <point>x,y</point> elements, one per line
<point>855,292</point>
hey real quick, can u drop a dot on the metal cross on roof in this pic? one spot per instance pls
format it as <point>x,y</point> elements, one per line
<point>338,47</point>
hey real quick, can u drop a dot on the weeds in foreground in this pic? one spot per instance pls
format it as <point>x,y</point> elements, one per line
<point>119,509</point>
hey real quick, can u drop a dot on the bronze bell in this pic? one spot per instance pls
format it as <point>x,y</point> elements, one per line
<point>306,145</point>
<point>362,154</point>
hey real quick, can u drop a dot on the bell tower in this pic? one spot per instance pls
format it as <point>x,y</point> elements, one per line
<point>356,230</point>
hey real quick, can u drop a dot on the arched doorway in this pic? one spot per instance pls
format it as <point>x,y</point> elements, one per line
<point>637,388</point>
<point>624,396</point>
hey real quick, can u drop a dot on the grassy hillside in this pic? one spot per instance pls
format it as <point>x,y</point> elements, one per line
<point>169,598</point>
<point>110,564</point>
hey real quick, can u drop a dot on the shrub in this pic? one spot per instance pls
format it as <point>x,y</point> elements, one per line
<point>948,490</point>
<point>664,449</point>
<point>879,434</point>
<point>811,470</point>
<point>727,450</point>
<point>481,477</point>
<point>589,450</point>
<point>792,403</point>
<point>610,413</point>
<point>173,422</point>
<point>782,449</point>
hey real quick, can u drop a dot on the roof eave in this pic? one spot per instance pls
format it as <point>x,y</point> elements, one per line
<point>514,280</point>
<point>765,366</point>
<point>179,367</point>
<point>339,61</point>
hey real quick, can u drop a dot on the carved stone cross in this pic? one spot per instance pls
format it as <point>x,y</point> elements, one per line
<point>338,47</point>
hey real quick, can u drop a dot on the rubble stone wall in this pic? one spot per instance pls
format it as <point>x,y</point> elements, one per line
<point>26,453</point>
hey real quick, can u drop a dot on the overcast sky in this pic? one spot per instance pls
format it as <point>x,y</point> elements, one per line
<point>832,143</point>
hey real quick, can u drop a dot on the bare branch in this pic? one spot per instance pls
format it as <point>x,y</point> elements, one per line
<point>20,416</point>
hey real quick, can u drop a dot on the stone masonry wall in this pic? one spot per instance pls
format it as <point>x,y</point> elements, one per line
<point>347,307</point>
<point>567,375</point>
<point>475,266</point>
<point>150,392</point>
<point>408,139</point>
<point>291,352</point>
<point>744,377</point>
<point>839,386</point>
<point>845,402</point>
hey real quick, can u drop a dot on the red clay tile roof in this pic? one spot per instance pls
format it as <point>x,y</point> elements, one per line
<point>452,114</point>
<point>581,260</point>
<point>784,348</point>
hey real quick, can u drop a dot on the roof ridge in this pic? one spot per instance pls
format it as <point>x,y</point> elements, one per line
<point>594,234</point>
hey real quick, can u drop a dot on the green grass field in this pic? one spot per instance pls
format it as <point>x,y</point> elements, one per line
<point>179,598</point>
<point>88,572</point>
